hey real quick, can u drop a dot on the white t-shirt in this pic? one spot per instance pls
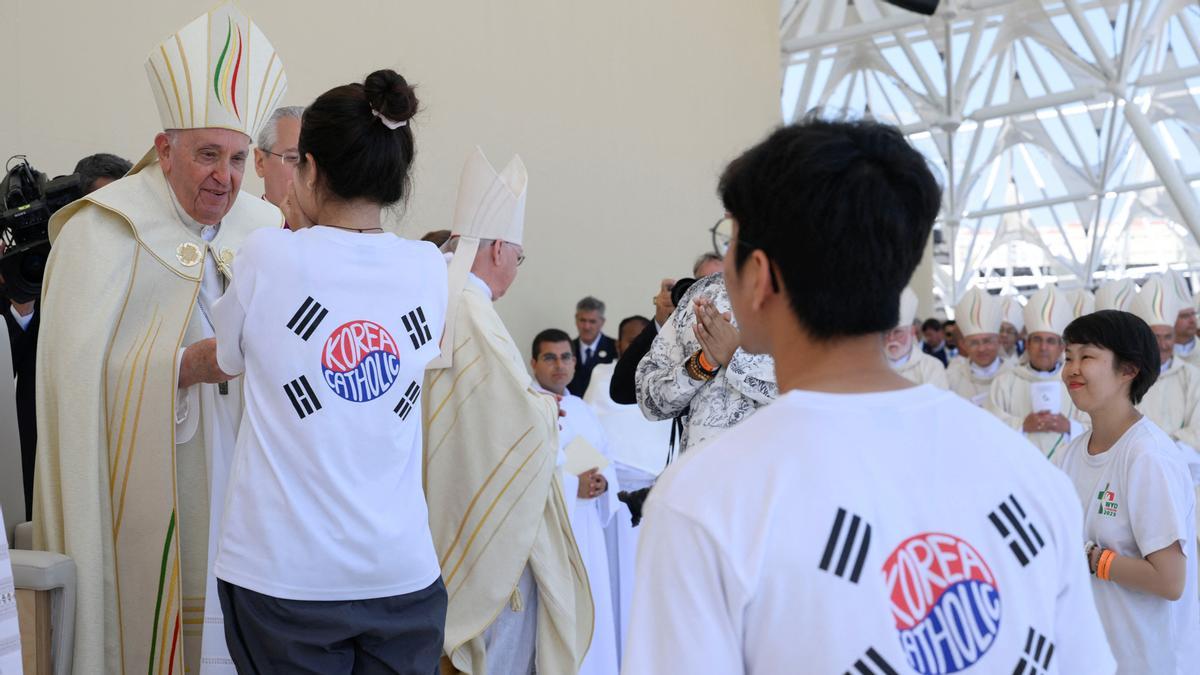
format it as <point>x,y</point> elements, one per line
<point>893,532</point>
<point>333,330</point>
<point>1137,499</point>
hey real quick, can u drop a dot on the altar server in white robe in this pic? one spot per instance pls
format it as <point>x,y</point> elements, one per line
<point>590,492</point>
<point>1173,401</point>
<point>1031,397</point>
<point>638,448</point>
<point>900,342</point>
<point>978,318</point>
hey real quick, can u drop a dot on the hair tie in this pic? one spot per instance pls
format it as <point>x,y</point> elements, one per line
<point>387,121</point>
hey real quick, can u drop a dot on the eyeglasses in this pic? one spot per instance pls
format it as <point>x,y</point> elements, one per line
<point>722,235</point>
<point>289,158</point>
<point>520,253</point>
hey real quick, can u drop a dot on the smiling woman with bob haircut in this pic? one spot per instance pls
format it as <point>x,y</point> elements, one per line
<point>1138,504</point>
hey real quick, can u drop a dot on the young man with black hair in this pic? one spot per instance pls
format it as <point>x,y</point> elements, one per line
<point>591,495</point>
<point>848,527</point>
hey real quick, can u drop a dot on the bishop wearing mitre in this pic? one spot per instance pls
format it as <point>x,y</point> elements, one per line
<point>518,591</point>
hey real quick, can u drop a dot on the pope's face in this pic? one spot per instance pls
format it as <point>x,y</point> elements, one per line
<point>554,366</point>
<point>204,168</point>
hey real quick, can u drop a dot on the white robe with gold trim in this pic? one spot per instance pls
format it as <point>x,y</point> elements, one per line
<point>496,505</point>
<point>114,490</point>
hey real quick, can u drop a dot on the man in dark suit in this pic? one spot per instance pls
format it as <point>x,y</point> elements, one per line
<point>22,322</point>
<point>592,346</point>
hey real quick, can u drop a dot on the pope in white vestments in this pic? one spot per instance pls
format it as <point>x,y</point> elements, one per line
<point>1031,397</point>
<point>134,432</point>
<point>900,343</point>
<point>978,318</point>
<point>518,591</point>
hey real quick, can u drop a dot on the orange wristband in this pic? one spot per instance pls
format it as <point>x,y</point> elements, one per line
<point>1105,567</point>
<point>705,364</point>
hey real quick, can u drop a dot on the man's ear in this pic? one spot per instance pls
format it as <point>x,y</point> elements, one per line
<point>162,145</point>
<point>260,159</point>
<point>497,251</point>
<point>760,274</point>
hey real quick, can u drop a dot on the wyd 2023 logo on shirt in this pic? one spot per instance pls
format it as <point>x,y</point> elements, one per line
<point>945,602</point>
<point>360,361</point>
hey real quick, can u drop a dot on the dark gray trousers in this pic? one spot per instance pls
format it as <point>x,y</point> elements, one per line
<point>397,635</point>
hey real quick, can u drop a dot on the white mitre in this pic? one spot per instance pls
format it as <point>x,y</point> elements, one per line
<point>1182,291</point>
<point>1116,294</point>
<point>978,313</point>
<point>490,205</point>
<point>1158,303</point>
<point>1013,312</point>
<point>908,308</point>
<point>1048,311</point>
<point>1082,301</point>
<point>217,72</point>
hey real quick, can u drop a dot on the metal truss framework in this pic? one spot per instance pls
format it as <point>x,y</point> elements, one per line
<point>1061,129</point>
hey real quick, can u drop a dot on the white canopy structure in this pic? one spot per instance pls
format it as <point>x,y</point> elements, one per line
<point>1066,132</point>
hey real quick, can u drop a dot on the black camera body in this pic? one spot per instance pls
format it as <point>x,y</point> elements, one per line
<point>28,202</point>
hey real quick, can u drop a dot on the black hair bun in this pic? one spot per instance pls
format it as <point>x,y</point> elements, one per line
<point>389,93</point>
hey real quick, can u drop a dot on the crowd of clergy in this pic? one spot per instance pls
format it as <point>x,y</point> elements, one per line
<point>1009,352</point>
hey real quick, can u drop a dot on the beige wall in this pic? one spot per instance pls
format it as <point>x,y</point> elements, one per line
<point>625,112</point>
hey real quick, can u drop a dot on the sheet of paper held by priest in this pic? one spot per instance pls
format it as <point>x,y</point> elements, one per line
<point>1046,396</point>
<point>10,634</point>
<point>582,456</point>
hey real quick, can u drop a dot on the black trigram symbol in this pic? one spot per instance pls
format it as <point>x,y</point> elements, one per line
<point>418,329</point>
<point>405,406</point>
<point>872,664</point>
<point>1036,660</point>
<point>302,396</point>
<point>307,318</point>
<point>1022,537</point>
<point>858,535</point>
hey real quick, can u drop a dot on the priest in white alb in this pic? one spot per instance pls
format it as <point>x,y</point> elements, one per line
<point>1173,401</point>
<point>590,486</point>
<point>1031,397</point>
<point>978,317</point>
<point>518,592</point>
<point>134,432</point>
<point>900,343</point>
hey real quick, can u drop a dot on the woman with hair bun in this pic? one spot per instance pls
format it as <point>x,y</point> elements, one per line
<point>325,561</point>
